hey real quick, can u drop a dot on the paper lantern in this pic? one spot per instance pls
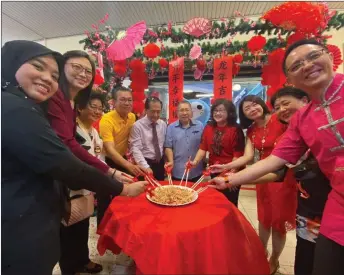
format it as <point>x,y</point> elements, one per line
<point>256,43</point>
<point>201,64</point>
<point>120,70</point>
<point>137,65</point>
<point>163,63</point>
<point>151,50</point>
<point>238,58</point>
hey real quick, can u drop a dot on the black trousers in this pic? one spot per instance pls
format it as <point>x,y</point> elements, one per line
<point>329,257</point>
<point>304,256</point>
<point>74,246</point>
<point>103,201</point>
<point>157,168</point>
<point>232,196</point>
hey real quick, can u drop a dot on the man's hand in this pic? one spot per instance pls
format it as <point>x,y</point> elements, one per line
<point>136,188</point>
<point>148,171</point>
<point>135,169</point>
<point>169,165</point>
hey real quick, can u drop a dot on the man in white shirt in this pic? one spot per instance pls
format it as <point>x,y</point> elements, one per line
<point>147,139</point>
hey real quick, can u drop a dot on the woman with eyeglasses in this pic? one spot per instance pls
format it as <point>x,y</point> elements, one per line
<point>77,77</point>
<point>263,131</point>
<point>223,139</point>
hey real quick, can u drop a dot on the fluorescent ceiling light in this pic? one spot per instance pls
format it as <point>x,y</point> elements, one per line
<point>188,91</point>
<point>204,95</point>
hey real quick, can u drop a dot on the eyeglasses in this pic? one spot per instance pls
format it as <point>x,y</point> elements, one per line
<point>80,69</point>
<point>220,111</point>
<point>96,108</point>
<point>125,100</point>
<point>311,57</point>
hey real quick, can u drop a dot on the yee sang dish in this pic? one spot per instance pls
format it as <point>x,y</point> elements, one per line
<point>172,195</point>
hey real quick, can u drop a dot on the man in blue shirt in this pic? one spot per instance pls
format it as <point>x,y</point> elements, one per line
<point>182,140</point>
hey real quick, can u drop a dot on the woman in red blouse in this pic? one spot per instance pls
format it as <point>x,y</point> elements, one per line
<point>223,139</point>
<point>76,78</point>
<point>276,201</point>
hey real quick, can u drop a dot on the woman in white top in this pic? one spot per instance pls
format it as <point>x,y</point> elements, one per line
<point>74,247</point>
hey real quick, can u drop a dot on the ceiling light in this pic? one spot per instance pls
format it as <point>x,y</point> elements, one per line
<point>204,95</point>
<point>188,91</point>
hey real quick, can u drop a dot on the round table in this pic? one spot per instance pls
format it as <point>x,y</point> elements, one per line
<point>210,236</point>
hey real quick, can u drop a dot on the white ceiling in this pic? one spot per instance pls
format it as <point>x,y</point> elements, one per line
<point>39,20</point>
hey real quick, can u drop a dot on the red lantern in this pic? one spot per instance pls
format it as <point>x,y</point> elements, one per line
<point>256,43</point>
<point>151,50</point>
<point>138,107</point>
<point>139,95</point>
<point>163,63</point>
<point>235,69</point>
<point>121,63</point>
<point>238,58</point>
<point>201,64</point>
<point>137,65</point>
<point>98,79</point>
<point>120,70</point>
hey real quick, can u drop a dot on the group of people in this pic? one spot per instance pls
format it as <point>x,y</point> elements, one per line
<point>52,154</point>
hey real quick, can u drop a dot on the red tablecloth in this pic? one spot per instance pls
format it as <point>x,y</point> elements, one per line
<point>210,236</point>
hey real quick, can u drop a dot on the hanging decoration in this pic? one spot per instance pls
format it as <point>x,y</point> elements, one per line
<point>223,77</point>
<point>197,27</point>
<point>175,86</point>
<point>195,52</point>
<point>336,54</point>
<point>139,82</point>
<point>305,17</point>
<point>256,44</point>
<point>272,73</point>
<point>124,46</point>
<point>151,50</point>
<point>98,79</point>
<point>163,63</point>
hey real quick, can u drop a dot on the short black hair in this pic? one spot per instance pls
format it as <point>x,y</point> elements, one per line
<point>184,102</point>
<point>118,89</point>
<point>82,99</point>
<point>152,99</point>
<point>289,91</point>
<point>296,45</point>
<point>63,82</point>
<point>230,108</point>
<point>244,121</point>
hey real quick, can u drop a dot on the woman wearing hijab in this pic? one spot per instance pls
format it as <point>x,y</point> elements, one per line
<point>32,158</point>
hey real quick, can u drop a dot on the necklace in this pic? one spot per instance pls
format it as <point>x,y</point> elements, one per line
<point>259,153</point>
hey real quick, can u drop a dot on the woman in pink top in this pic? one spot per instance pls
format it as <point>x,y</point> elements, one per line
<point>320,127</point>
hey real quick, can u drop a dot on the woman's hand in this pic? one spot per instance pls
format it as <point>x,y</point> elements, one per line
<point>191,164</point>
<point>123,177</point>
<point>222,183</point>
<point>136,188</point>
<point>218,183</point>
<point>218,168</point>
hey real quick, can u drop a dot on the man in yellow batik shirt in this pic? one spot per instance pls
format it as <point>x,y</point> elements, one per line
<point>114,129</point>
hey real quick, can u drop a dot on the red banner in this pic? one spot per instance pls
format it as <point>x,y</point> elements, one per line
<point>175,86</point>
<point>223,77</point>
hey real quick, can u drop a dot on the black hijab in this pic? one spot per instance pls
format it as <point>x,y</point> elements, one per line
<point>17,52</point>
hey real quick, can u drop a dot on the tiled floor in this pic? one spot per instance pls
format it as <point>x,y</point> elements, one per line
<point>113,264</point>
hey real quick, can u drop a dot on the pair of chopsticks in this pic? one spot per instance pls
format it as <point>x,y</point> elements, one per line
<point>151,180</point>
<point>168,171</point>
<point>186,171</point>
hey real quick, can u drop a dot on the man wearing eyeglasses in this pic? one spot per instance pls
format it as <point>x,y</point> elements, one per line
<point>114,129</point>
<point>147,139</point>
<point>320,127</point>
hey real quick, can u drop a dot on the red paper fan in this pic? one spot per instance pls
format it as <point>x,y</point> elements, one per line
<point>197,26</point>
<point>125,46</point>
<point>151,50</point>
<point>299,16</point>
<point>295,37</point>
<point>256,43</point>
<point>336,54</point>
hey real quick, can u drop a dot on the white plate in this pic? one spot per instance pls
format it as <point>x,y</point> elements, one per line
<point>194,198</point>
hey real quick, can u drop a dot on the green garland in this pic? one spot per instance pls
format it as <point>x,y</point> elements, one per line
<point>219,30</point>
